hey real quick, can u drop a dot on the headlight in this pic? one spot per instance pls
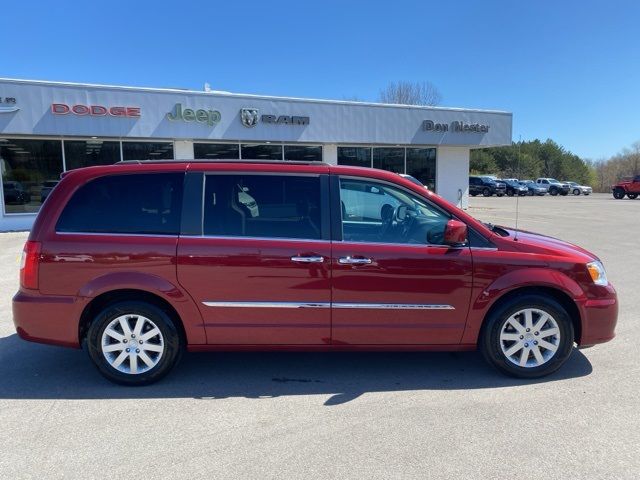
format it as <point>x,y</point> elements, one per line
<point>598,275</point>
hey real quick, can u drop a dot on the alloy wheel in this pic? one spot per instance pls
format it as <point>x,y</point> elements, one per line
<point>132,344</point>
<point>530,338</point>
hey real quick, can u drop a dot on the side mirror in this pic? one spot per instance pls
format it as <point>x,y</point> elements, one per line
<point>455,233</point>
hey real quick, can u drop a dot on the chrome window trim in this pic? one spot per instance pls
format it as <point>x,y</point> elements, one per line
<point>366,306</point>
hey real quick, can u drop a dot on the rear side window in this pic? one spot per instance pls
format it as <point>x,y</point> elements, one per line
<point>274,206</point>
<point>134,204</point>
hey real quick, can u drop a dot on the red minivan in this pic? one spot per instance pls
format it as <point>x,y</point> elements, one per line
<point>139,261</point>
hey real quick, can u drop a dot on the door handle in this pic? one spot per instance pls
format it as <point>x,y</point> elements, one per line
<point>305,259</point>
<point>354,261</point>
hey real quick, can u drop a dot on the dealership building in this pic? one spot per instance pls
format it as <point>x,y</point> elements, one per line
<point>47,128</point>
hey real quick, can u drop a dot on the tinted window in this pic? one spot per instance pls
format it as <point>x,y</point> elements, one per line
<point>391,159</point>
<point>138,203</point>
<point>421,164</point>
<point>228,151</point>
<point>305,153</point>
<point>261,152</point>
<point>147,150</point>
<point>27,166</point>
<point>354,156</point>
<point>86,153</point>
<point>276,206</point>
<point>375,212</point>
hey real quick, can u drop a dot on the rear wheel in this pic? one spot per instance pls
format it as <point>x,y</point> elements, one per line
<point>528,336</point>
<point>133,343</point>
<point>530,193</point>
<point>486,192</point>
<point>632,196</point>
<point>618,193</point>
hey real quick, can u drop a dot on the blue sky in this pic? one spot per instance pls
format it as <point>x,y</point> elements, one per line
<point>568,70</point>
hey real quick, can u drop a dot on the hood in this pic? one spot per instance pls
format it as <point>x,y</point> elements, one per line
<point>530,242</point>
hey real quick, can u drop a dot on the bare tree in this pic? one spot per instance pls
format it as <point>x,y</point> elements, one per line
<point>411,93</point>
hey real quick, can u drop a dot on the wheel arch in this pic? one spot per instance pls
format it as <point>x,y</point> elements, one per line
<point>557,294</point>
<point>112,296</point>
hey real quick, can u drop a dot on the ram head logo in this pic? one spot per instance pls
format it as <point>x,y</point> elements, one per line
<point>249,117</point>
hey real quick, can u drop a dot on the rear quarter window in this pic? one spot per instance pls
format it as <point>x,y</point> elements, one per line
<point>130,204</point>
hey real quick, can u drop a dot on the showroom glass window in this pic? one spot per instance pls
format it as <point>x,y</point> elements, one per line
<point>303,153</point>
<point>148,204</point>
<point>261,151</point>
<point>216,151</point>
<point>30,170</point>
<point>147,150</point>
<point>87,153</point>
<point>391,159</point>
<point>354,156</point>
<point>273,206</point>
<point>421,164</point>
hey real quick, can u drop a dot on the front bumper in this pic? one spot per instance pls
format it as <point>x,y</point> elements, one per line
<point>599,318</point>
<point>50,319</point>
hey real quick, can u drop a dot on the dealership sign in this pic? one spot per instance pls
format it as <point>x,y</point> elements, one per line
<point>249,118</point>
<point>8,105</point>
<point>461,127</point>
<point>94,110</point>
<point>210,117</point>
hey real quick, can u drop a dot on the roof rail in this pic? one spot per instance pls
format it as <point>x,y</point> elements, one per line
<point>223,160</point>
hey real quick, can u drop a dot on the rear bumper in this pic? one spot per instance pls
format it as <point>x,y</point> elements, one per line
<point>50,319</point>
<point>599,318</point>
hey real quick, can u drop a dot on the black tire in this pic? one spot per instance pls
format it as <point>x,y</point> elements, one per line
<point>486,192</point>
<point>490,345</point>
<point>553,191</point>
<point>576,191</point>
<point>171,339</point>
<point>530,193</point>
<point>618,193</point>
<point>474,194</point>
<point>509,193</point>
<point>632,196</point>
<point>500,194</point>
<point>564,194</point>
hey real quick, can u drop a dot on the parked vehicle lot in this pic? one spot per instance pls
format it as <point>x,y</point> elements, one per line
<point>347,415</point>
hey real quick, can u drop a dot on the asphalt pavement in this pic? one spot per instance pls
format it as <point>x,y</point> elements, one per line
<point>340,415</point>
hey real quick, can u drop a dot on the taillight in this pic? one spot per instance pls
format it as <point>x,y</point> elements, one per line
<point>29,265</point>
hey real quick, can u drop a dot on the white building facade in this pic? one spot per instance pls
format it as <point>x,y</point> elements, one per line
<point>49,127</point>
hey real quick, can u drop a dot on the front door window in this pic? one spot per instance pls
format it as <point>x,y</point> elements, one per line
<point>379,213</point>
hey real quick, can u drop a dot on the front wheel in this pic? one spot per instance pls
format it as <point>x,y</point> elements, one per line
<point>553,191</point>
<point>486,192</point>
<point>576,191</point>
<point>133,343</point>
<point>528,336</point>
